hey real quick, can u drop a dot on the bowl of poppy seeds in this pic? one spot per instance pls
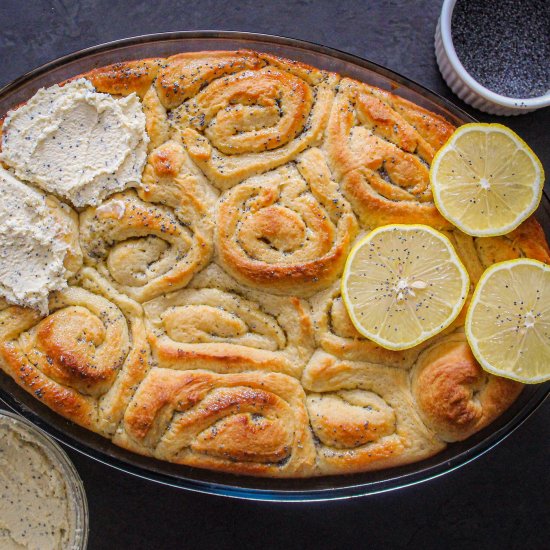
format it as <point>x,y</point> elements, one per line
<point>495,54</point>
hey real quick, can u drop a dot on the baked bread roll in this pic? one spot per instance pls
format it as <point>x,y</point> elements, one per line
<point>288,231</point>
<point>217,324</point>
<point>456,397</point>
<point>143,248</point>
<point>243,113</point>
<point>248,423</point>
<point>84,358</point>
<point>363,416</point>
<point>380,147</point>
<point>203,323</point>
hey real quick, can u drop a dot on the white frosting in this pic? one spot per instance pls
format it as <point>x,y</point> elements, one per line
<point>31,250</point>
<point>33,494</point>
<point>111,209</point>
<point>77,143</point>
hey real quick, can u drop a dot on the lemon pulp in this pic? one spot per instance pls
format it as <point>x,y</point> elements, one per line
<point>403,284</point>
<point>486,180</point>
<point>508,322</point>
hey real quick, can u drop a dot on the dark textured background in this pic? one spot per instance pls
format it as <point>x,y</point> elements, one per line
<point>499,501</point>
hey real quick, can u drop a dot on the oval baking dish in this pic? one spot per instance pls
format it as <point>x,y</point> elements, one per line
<point>224,484</point>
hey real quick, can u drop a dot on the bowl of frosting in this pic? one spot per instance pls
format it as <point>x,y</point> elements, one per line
<point>496,55</point>
<point>44,504</point>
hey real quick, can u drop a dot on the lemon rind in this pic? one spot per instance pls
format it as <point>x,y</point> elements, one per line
<point>386,344</point>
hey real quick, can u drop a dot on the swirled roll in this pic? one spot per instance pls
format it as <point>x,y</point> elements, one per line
<point>170,178</point>
<point>247,423</point>
<point>242,113</point>
<point>381,146</point>
<point>216,323</point>
<point>363,416</point>
<point>455,396</point>
<point>287,231</point>
<point>144,249</point>
<point>83,360</point>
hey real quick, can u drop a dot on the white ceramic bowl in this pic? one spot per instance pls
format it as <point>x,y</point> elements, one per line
<point>464,86</point>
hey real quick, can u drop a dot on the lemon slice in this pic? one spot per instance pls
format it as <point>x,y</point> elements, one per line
<point>486,180</point>
<point>508,321</point>
<point>402,284</point>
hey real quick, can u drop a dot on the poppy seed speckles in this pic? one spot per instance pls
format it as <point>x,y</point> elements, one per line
<point>505,45</point>
<point>79,144</point>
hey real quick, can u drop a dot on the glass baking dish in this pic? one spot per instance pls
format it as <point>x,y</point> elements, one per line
<point>193,479</point>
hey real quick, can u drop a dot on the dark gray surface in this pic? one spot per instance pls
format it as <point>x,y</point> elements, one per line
<point>499,501</point>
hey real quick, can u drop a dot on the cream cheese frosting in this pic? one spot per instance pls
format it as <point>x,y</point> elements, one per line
<point>35,511</point>
<point>32,248</point>
<point>76,143</point>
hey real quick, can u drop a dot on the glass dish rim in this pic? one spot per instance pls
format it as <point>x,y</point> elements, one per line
<point>227,488</point>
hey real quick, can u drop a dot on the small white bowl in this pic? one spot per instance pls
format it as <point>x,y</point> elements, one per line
<point>464,86</point>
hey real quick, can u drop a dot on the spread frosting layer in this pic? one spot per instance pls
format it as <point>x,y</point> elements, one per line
<point>32,248</point>
<point>77,143</point>
<point>35,508</point>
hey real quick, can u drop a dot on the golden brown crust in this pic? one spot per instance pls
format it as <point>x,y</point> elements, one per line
<point>126,77</point>
<point>238,353</point>
<point>83,360</point>
<point>287,231</point>
<point>184,74</point>
<point>380,148</point>
<point>249,423</point>
<point>433,128</point>
<point>456,397</point>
